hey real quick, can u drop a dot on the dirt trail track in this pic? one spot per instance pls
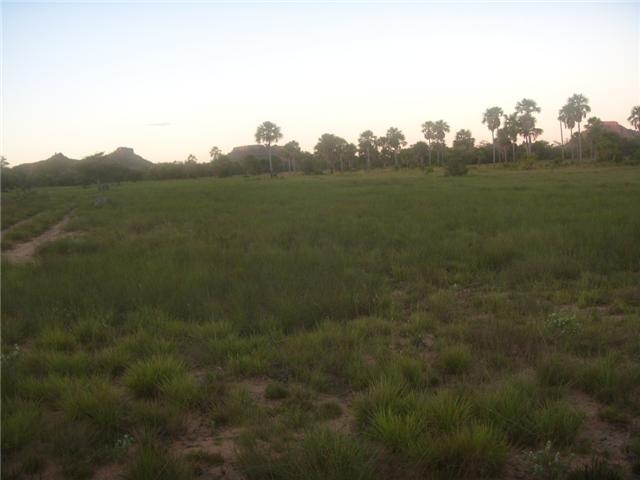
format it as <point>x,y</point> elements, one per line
<point>24,252</point>
<point>14,226</point>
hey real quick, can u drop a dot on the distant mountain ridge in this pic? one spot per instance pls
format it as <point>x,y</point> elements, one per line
<point>123,163</point>
<point>121,156</point>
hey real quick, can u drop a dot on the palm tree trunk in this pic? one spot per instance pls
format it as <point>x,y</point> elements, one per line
<point>429,154</point>
<point>513,152</point>
<point>493,140</point>
<point>368,159</point>
<point>571,144</point>
<point>579,144</point>
<point>395,159</point>
<point>270,164</point>
<point>562,141</point>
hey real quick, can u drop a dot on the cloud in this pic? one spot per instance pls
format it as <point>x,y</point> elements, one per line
<point>159,124</point>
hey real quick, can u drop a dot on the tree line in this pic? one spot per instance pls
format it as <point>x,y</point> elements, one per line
<point>334,153</point>
<point>514,137</point>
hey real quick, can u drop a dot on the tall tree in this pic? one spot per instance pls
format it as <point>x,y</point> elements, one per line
<point>429,132</point>
<point>366,144</point>
<point>385,150</point>
<point>595,131</point>
<point>580,108</point>
<point>512,130</point>
<point>292,152</point>
<point>268,133</point>
<point>441,129</point>
<point>525,109</point>
<point>492,118</point>
<point>464,140</point>
<point>569,116</point>
<point>634,118</point>
<point>329,148</point>
<point>395,140</point>
<point>420,151</point>
<point>562,118</point>
<point>349,151</point>
<point>215,153</point>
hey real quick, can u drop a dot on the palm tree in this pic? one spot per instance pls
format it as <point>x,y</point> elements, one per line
<point>441,129</point>
<point>492,118</point>
<point>594,130</point>
<point>366,143</point>
<point>215,153</point>
<point>525,109</point>
<point>634,118</point>
<point>429,132</point>
<point>580,107</point>
<point>512,130</point>
<point>562,118</point>
<point>292,151</point>
<point>395,140</point>
<point>329,147</point>
<point>569,116</point>
<point>268,132</point>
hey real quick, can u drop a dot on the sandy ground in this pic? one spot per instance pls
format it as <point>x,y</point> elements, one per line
<point>24,252</point>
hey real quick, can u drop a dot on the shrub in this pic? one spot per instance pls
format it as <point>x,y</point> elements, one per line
<point>147,377</point>
<point>56,340</point>
<point>478,451</point>
<point>455,360</point>
<point>386,394</point>
<point>557,371</point>
<point>511,408</point>
<point>558,422</point>
<point>323,454</point>
<point>455,167</point>
<point>396,431</point>
<point>547,464</point>
<point>275,391</point>
<point>96,400</point>
<point>20,422</point>
<point>153,463</point>
<point>596,470</point>
<point>445,412</point>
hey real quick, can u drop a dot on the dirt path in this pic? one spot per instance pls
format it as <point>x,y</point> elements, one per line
<point>14,226</point>
<point>24,252</point>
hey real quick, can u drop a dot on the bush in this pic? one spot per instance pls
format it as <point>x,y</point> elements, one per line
<point>320,455</point>
<point>455,167</point>
<point>455,360</point>
<point>275,391</point>
<point>477,451</point>
<point>558,422</point>
<point>153,463</point>
<point>146,378</point>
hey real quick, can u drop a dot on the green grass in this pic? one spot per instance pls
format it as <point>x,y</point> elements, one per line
<point>149,378</point>
<point>403,325</point>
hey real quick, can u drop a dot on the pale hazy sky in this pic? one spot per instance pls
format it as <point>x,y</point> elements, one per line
<point>169,79</point>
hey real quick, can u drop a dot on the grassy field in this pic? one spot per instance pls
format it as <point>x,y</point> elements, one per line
<point>357,326</point>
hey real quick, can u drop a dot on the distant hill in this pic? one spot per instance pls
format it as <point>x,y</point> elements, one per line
<point>56,161</point>
<point>618,129</point>
<point>121,164</point>
<point>258,151</point>
<point>126,157</point>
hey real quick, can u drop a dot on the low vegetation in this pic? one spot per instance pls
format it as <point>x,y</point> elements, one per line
<point>366,325</point>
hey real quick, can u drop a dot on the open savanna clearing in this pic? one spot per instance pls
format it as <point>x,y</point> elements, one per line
<point>372,326</point>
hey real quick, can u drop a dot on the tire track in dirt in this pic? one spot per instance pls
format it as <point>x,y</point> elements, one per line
<point>24,252</point>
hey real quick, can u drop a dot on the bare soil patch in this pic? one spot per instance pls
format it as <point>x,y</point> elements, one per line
<point>607,441</point>
<point>24,252</point>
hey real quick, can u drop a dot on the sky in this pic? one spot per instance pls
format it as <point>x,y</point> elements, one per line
<point>172,79</point>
